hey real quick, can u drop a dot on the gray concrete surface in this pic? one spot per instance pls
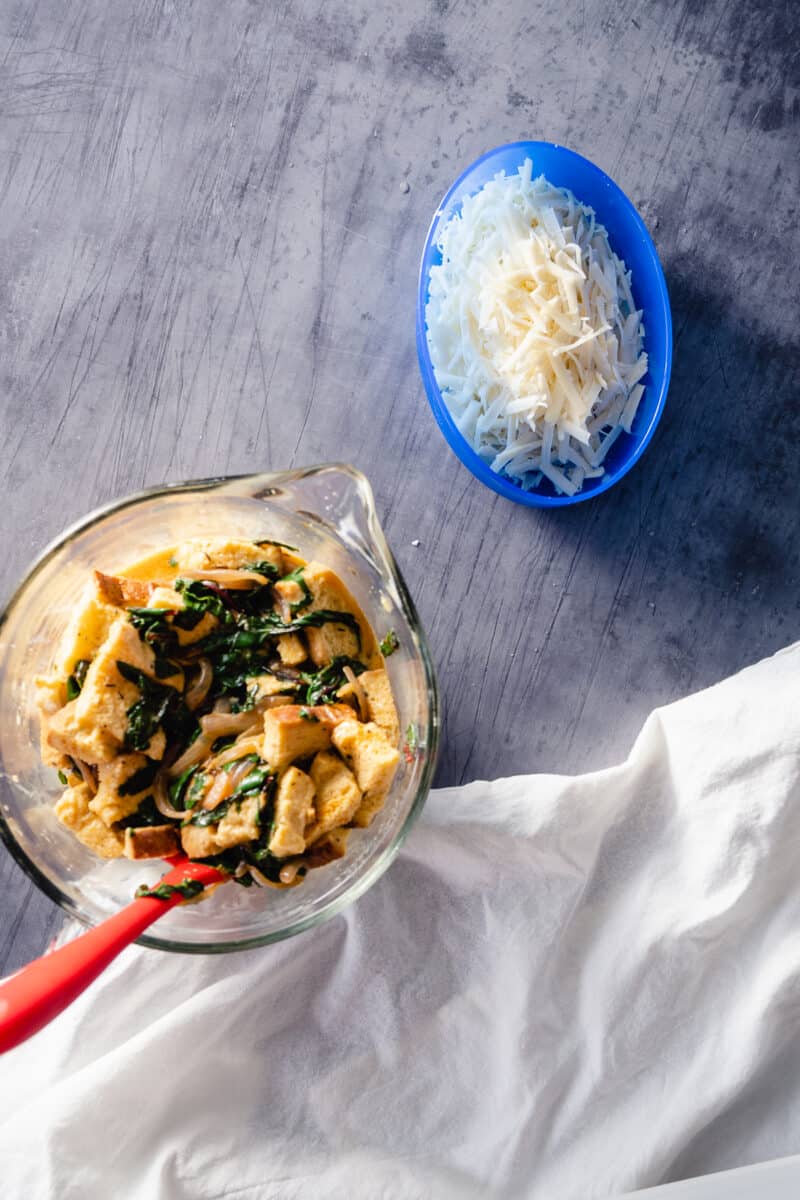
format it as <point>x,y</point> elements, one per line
<point>210,223</point>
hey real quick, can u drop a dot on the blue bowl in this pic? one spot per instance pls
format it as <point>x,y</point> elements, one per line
<point>630,240</point>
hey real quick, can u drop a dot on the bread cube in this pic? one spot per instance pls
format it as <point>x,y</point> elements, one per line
<point>292,649</point>
<point>211,553</point>
<point>72,810</point>
<point>295,731</point>
<point>51,695</point>
<point>261,687</point>
<point>86,631</point>
<point>94,725</point>
<point>109,805</point>
<point>294,808</point>
<point>368,809</point>
<point>337,795</point>
<point>151,841</point>
<point>330,640</point>
<point>199,841</point>
<point>121,591</point>
<point>380,702</point>
<point>373,759</point>
<point>329,847</point>
<point>290,591</point>
<point>239,825</point>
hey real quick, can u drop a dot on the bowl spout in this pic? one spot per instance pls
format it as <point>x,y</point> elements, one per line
<point>333,495</point>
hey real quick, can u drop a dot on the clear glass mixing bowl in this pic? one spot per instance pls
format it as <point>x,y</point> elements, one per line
<point>329,513</point>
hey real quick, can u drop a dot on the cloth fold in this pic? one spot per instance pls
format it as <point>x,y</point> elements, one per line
<point>564,987</point>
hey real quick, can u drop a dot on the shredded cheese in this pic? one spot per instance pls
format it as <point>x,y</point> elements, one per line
<point>534,339</point>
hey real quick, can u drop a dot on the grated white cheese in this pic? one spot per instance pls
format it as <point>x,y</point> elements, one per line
<point>533,337</point>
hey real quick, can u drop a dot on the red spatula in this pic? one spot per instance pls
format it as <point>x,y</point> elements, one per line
<point>30,999</point>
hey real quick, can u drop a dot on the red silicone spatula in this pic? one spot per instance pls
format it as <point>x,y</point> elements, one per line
<point>30,999</point>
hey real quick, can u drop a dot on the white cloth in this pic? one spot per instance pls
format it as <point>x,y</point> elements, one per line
<point>563,988</point>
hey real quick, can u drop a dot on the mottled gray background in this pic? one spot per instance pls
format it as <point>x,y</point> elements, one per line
<point>208,253</point>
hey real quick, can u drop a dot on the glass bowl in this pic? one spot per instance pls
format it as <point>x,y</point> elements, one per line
<point>628,236</point>
<point>328,512</point>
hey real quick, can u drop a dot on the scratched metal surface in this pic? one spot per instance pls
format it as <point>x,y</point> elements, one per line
<point>210,222</point>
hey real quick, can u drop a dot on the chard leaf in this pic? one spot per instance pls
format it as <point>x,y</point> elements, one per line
<point>77,678</point>
<point>157,705</point>
<point>165,891</point>
<point>389,644</point>
<point>322,685</point>
<point>200,598</point>
<point>138,780</point>
<point>146,814</point>
<point>297,577</point>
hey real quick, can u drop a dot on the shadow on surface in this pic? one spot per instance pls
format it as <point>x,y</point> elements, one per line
<point>714,493</point>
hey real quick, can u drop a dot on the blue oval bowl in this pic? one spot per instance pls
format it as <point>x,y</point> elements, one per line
<point>630,240</point>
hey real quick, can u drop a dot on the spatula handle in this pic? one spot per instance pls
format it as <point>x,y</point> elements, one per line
<point>31,999</point>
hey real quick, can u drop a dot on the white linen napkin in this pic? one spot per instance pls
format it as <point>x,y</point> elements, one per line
<point>563,988</point>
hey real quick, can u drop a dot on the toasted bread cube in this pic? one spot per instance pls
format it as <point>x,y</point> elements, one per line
<point>51,695</point>
<point>337,795</point>
<point>327,849</point>
<point>151,841</point>
<point>380,702</point>
<point>50,756</point>
<point>240,823</point>
<point>373,758</point>
<point>288,736</point>
<point>290,591</point>
<point>294,731</point>
<point>93,726</point>
<point>109,805</point>
<point>368,808</point>
<point>199,841</point>
<point>86,631</point>
<point>163,596</point>
<point>294,808</point>
<point>331,639</point>
<point>121,591</point>
<point>69,733</point>
<point>291,649</point>
<point>72,810</point>
<point>167,597</point>
<point>260,687</point>
<point>228,554</point>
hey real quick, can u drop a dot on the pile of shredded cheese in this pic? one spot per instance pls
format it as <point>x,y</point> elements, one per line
<point>534,338</point>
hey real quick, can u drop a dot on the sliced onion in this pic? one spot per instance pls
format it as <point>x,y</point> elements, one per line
<point>201,686</point>
<point>198,750</point>
<point>239,773</point>
<point>331,715</point>
<point>261,878</point>
<point>288,874</point>
<point>214,725</point>
<point>242,746</point>
<point>286,673</point>
<point>223,724</point>
<point>358,690</point>
<point>281,700</point>
<point>89,777</point>
<point>220,789</point>
<point>223,705</point>
<point>227,577</point>
<point>242,869</point>
<point>161,800</point>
